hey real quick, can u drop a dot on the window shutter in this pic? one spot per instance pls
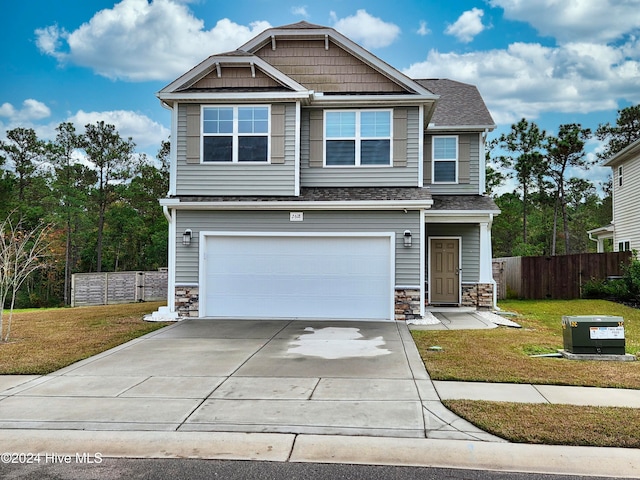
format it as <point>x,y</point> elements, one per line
<point>400,137</point>
<point>426,170</point>
<point>193,133</point>
<point>277,133</point>
<point>316,139</point>
<point>464,158</point>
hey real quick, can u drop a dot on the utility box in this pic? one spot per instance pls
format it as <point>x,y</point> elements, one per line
<point>593,334</point>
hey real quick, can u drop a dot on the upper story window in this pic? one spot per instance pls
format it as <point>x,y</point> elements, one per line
<point>235,134</point>
<point>620,175</point>
<point>445,159</point>
<point>357,137</point>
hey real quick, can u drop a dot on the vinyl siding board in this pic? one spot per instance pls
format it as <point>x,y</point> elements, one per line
<point>625,210</point>
<point>468,165</point>
<point>403,173</point>
<point>407,259</point>
<point>236,77</point>
<point>332,70</point>
<point>275,178</point>
<point>470,234</point>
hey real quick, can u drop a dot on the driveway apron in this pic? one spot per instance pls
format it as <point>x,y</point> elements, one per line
<point>293,376</point>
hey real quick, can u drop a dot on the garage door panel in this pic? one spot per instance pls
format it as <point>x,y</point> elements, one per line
<point>298,277</point>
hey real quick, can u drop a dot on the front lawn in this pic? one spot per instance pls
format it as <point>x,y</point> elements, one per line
<point>504,354</point>
<point>46,340</point>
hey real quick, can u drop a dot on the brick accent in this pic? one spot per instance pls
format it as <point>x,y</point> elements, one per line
<point>187,301</point>
<point>407,304</point>
<point>479,296</point>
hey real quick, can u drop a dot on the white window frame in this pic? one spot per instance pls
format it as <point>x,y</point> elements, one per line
<point>456,160</point>
<point>235,135</point>
<point>625,244</point>
<point>619,175</point>
<point>358,138</point>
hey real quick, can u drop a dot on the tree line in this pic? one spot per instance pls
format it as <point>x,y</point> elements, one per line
<point>97,197</point>
<point>551,208</point>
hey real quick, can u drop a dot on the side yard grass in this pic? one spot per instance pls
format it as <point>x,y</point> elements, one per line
<point>504,355</point>
<point>43,341</point>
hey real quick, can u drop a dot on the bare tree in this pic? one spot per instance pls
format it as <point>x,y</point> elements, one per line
<point>22,252</point>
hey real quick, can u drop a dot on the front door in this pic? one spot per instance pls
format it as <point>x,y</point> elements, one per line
<point>444,281</point>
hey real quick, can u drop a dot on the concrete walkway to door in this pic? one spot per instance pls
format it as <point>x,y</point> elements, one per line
<point>313,377</point>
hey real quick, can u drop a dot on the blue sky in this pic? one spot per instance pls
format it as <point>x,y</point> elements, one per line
<point>550,61</point>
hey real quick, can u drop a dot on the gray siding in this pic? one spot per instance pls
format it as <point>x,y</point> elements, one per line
<point>470,246</point>
<point>407,258</point>
<point>625,204</point>
<point>406,155</point>
<point>468,165</point>
<point>195,178</point>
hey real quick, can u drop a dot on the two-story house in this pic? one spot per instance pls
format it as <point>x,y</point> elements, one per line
<point>624,230</point>
<point>310,179</point>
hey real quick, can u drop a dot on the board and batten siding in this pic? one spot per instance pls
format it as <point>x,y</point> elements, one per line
<point>470,248</point>
<point>625,204</point>
<point>406,155</point>
<point>468,165</point>
<point>274,178</point>
<point>407,259</point>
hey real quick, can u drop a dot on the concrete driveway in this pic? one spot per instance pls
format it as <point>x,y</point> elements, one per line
<point>324,377</point>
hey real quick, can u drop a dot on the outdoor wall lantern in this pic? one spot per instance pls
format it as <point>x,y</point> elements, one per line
<point>186,237</point>
<point>407,238</point>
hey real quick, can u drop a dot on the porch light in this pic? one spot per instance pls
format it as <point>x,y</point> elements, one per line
<point>407,238</point>
<point>186,237</point>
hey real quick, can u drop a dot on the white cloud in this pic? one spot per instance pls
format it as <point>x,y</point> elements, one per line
<point>467,26</point>
<point>423,30</point>
<point>137,40</point>
<point>576,20</point>
<point>301,11</point>
<point>144,131</point>
<point>369,31</point>
<point>528,79</point>
<point>31,110</point>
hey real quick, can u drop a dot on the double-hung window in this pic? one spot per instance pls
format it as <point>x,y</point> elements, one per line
<point>357,137</point>
<point>235,134</point>
<point>445,159</point>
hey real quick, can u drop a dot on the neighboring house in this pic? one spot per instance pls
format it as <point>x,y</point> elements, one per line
<point>310,179</point>
<point>624,230</point>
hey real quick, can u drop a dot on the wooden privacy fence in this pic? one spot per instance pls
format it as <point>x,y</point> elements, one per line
<point>108,288</point>
<point>558,277</point>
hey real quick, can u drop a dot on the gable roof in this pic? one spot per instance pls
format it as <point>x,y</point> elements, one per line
<point>460,106</point>
<point>305,30</point>
<point>625,154</point>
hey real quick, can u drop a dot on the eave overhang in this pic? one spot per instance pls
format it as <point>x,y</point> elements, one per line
<point>176,204</point>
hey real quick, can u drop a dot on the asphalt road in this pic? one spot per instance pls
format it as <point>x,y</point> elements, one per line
<point>178,469</point>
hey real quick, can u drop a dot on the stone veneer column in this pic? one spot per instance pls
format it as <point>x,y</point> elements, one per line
<point>187,301</point>
<point>407,304</point>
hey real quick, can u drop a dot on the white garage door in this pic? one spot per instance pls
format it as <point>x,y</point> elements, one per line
<point>312,276</point>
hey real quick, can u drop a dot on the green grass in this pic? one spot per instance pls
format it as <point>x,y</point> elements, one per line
<point>46,340</point>
<point>504,354</point>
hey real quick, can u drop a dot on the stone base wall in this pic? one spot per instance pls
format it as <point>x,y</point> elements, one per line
<point>187,301</point>
<point>478,295</point>
<point>407,304</point>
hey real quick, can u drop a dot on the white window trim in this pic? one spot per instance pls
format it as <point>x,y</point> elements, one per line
<point>357,138</point>
<point>433,159</point>
<point>623,242</point>
<point>235,135</point>
<point>620,178</point>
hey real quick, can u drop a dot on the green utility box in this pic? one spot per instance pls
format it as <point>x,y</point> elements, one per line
<point>593,334</point>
